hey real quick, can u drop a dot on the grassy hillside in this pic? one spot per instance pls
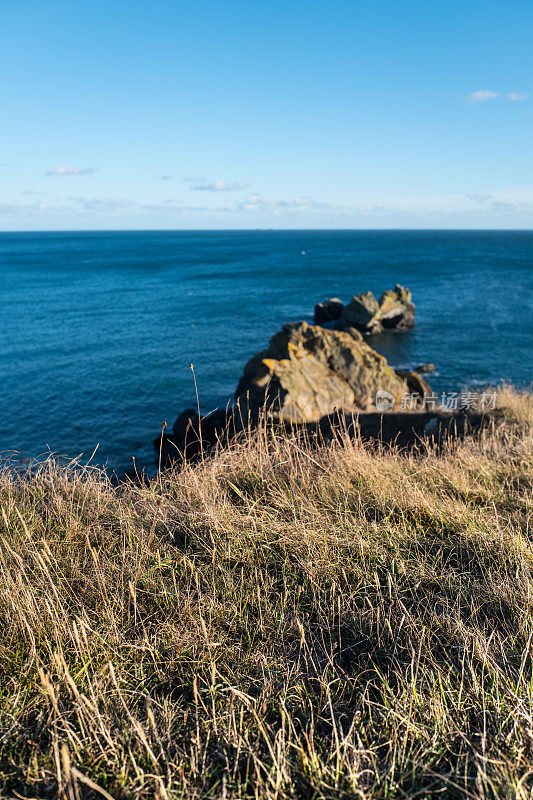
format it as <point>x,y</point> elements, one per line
<point>275,622</point>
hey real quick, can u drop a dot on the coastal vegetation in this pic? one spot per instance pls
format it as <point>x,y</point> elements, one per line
<point>278,620</point>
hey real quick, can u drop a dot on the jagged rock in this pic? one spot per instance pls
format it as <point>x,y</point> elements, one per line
<point>425,368</point>
<point>308,372</point>
<point>360,313</point>
<point>328,311</point>
<point>394,311</point>
<point>308,375</point>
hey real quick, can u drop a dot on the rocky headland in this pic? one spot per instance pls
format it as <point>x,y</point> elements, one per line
<point>314,377</point>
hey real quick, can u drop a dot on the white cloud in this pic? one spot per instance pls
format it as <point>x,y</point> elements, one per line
<point>66,169</point>
<point>480,197</point>
<point>506,204</point>
<point>296,205</point>
<point>217,186</point>
<point>259,202</point>
<point>481,96</point>
<point>22,208</point>
<point>509,206</point>
<point>105,203</point>
<point>165,177</point>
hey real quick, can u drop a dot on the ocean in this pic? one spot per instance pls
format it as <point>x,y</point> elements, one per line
<point>98,329</point>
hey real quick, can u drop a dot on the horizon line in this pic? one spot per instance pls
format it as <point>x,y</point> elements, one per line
<point>258,230</point>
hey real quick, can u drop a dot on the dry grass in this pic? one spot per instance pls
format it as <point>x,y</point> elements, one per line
<point>276,622</point>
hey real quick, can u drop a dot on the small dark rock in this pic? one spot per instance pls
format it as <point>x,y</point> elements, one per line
<point>187,419</point>
<point>328,311</point>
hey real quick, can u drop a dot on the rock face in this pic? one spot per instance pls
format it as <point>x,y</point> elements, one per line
<point>308,372</point>
<point>394,311</point>
<point>328,311</point>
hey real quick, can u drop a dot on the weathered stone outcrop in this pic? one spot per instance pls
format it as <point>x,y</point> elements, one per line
<point>329,310</point>
<point>393,311</point>
<point>360,313</point>
<point>309,376</point>
<point>308,372</point>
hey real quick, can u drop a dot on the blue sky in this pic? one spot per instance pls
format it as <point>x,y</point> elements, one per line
<point>241,114</point>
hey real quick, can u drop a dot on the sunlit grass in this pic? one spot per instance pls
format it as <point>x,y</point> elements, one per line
<point>278,621</point>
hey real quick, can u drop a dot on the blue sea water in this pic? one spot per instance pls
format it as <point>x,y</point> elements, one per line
<point>98,329</point>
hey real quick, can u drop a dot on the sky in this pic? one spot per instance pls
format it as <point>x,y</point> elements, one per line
<point>166,114</point>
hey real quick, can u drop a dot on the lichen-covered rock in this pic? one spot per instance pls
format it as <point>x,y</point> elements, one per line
<point>308,371</point>
<point>395,310</point>
<point>309,374</point>
<point>328,311</point>
<point>312,377</point>
<point>360,313</point>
